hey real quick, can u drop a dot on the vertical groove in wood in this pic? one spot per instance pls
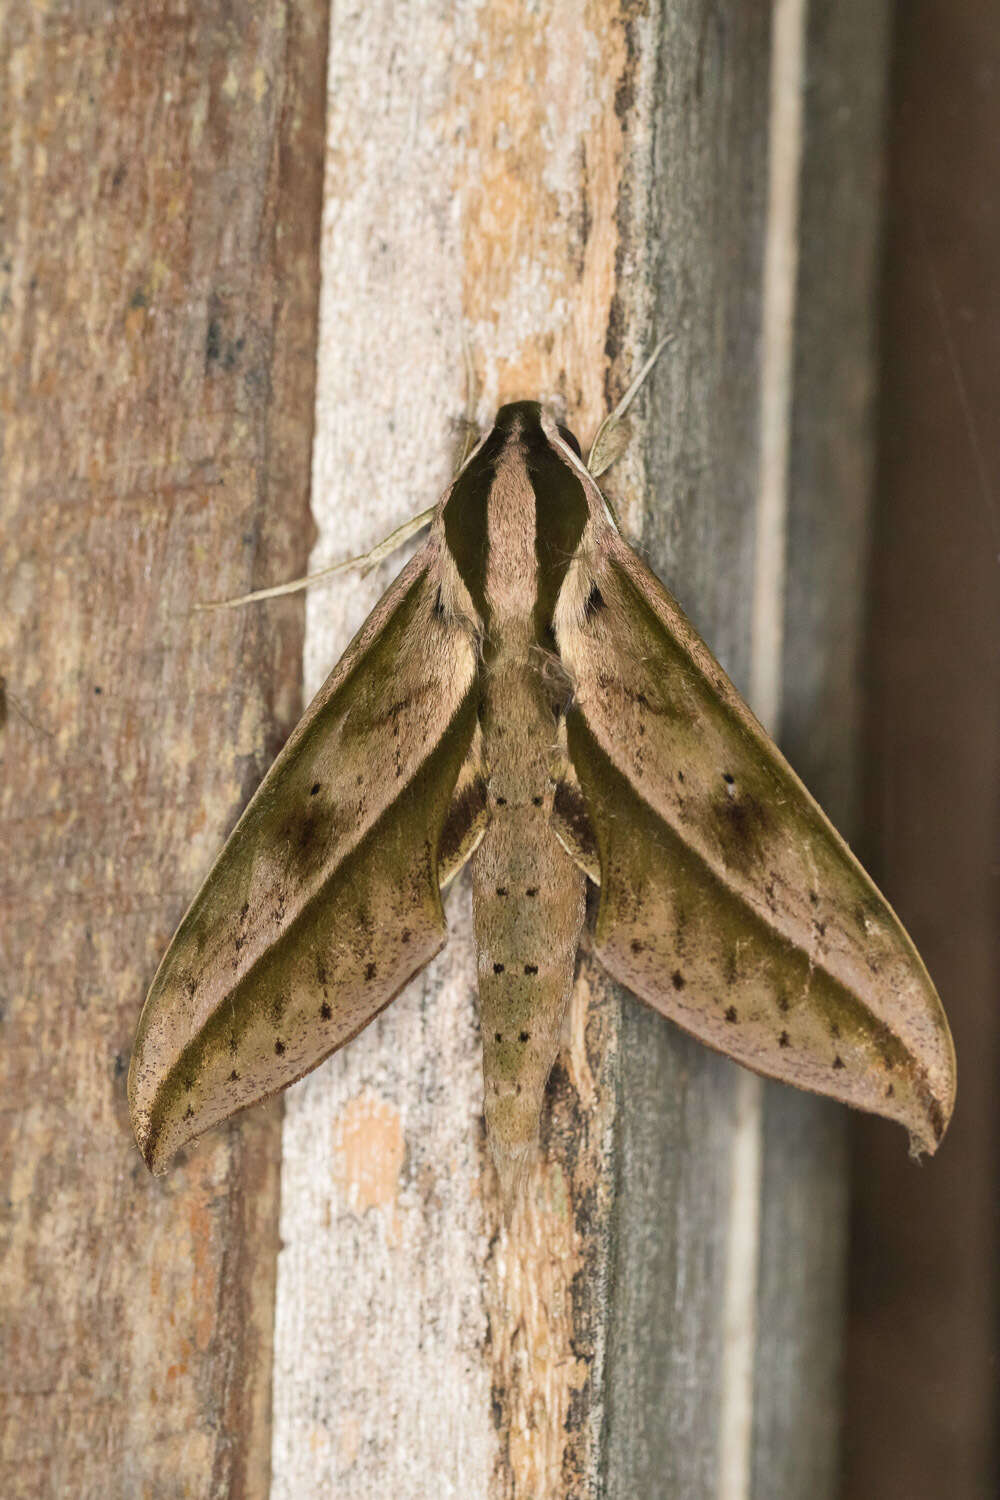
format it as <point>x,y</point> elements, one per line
<point>157,295</point>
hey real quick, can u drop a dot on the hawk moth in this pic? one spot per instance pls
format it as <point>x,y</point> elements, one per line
<point>527,696</point>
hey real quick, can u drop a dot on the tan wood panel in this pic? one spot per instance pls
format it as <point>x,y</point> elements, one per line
<point>158,282</point>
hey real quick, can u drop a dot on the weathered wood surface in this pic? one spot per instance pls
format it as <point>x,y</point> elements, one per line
<point>558,187</point>
<point>923,1352</point>
<point>161,178</point>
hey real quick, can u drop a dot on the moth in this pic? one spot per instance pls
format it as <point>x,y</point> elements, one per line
<point>528,697</point>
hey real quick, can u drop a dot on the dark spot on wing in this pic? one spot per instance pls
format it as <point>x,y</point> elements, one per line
<point>531,968</point>
<point>677,979</point>
<point>937,1118</point>
<point>370,971</point>
<point>569,812</point>
<point>326,1010</point>
<point>739,821</point>
<point>838,1061</point>
<point>784,1040</point>
<point>462,816</point>
<point>279,1048</point>
<point>498,968</point>
<point>731,1013</point>
<point>314,789</point>
<point>594,603</point>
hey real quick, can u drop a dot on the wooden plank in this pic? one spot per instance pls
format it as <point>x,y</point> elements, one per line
<point>157,286</point>
<point>924,1334</point>
<point>562,205</point>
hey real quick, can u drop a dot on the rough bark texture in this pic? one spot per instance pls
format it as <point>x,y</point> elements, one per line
<point>158,283</point>
<point>561,186</point>
<point>923,1404</point>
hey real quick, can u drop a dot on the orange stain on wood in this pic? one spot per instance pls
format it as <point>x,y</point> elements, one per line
<point>539,227</point>
<point>368,1151</point>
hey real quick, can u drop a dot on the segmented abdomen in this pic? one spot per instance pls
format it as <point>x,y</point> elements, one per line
<point>528,905</point>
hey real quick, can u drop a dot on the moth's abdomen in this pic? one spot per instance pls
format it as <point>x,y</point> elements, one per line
<point>528,902</point>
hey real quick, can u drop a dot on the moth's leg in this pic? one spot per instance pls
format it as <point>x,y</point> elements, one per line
<point>365,562</point>
<point>467,816</point>
<point>611,439</point>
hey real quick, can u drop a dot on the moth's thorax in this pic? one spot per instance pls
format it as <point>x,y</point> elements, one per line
<point>514,519</point>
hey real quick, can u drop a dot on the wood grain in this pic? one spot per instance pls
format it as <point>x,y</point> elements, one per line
<point>158,290</point>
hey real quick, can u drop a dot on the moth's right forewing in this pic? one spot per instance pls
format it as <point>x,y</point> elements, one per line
<point>325,900</point>
<point>727,899</point>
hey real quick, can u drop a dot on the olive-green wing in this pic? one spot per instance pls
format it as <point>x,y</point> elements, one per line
<point>727,899</point>
<point>326,898</point>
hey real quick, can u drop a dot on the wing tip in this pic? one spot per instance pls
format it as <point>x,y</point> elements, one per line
<point>156,1151</point>
<point>157,1146</point>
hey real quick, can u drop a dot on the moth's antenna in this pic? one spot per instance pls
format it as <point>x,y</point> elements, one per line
<point>471,429</point>
<point>365,562</point>
<point>7,701</point>
<point>604,450</point>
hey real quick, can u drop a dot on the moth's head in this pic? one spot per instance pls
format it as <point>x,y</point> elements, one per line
<point>532,422</point>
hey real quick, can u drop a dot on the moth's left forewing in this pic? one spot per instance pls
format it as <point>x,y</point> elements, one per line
<point>728,901</point>
<point>326,897</point>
